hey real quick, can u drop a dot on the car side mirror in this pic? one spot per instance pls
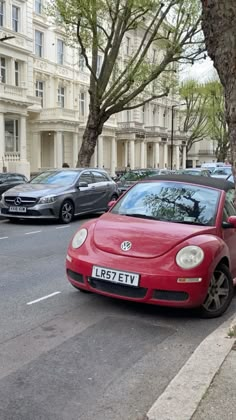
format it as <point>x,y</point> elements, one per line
<point>111,204</point>
<point>82,184</point>
<point>232,221</point>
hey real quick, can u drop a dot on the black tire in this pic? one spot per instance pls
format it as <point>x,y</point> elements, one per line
<point>220,293</point>
<point>66,212</point>
<point>81,290</point>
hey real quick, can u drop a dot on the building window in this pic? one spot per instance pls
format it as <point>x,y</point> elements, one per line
<point>15,18</point>
<point>39,90</point>
<point>16,73</point>
<point>1,13</point>
<point>60,51</point>
<point>128,115</point>
<point>82,104</point>
<point>11,136</point>
<point>143,114</point>
<point>99,64</point>
<point>39,43</point>
<point>127,45</point>
<point>61,96</point>
<point>38,7</point>
<point>81,62</point>
<point>3,69</point>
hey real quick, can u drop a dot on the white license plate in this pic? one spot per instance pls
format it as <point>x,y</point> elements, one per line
<point>115,276</point>
<point>17,209</point>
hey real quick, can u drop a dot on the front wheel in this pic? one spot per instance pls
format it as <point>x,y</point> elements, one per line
<point>220,293</point>
<point>66,212</point>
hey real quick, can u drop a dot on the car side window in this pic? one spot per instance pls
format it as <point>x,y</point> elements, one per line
<point>99,177</point>
<point>86,177</point>
<point>229,208</point>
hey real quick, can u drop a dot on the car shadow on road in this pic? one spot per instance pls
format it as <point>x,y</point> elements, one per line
<point>49,222</point>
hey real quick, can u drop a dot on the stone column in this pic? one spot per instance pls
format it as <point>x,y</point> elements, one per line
<point>113,156</point>
<point>2,140</point>
<point>75,149</point>
<point>156,155</point>
<point>177,156</point>
<point>142,155</point>
<point>23,148</point>
<point>58,153</point>
<point>126,153</point>
<point>35,152</point>
<point>184,157</point>
<point>100,152</point>
<point>165,156</point>
<point>132,155</point>
<point>12,72</point>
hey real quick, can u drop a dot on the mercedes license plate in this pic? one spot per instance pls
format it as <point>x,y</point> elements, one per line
<point>115,276</point>
<point>17,209</point>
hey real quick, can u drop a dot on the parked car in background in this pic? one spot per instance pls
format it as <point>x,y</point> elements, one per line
<point>60,194</point>
<point>194,171</point>
<point>212,165</point>
<point>9,180</point>
<point>169,240</point>
<point>222,172</point>
<point>133,176</point>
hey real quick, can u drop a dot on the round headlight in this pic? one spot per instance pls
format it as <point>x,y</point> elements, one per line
<point>189,257</point>
<point>79,238</point>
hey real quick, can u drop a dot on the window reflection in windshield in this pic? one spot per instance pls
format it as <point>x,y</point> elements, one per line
<point>172,202</point>
<point>57,178</point>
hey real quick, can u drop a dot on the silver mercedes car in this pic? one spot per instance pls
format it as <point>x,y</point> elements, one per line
<point>60,194</point>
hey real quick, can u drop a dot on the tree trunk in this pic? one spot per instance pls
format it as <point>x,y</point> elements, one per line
<point>218,24</point>
<point>92,131</point>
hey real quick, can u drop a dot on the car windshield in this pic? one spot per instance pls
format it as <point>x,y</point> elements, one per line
<point>222,171</point>
<point>170,201</point>
<point>55,178</point>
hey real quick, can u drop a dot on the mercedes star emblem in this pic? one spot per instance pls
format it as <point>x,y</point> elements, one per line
<point>126,246</point>
<point>17,201</point>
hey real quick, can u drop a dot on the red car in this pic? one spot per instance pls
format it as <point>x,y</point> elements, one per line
<point>169,240</point>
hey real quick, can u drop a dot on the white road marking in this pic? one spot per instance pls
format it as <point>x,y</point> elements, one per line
<point>62,227</point>
<point>42,298</point>
<point>34,231</point>
<point>4,237</point>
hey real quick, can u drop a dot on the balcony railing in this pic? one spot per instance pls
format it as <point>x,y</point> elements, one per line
<point>11,156</point>
<point>129,125</point>
<point>58,113</point>
<point>12,92</point>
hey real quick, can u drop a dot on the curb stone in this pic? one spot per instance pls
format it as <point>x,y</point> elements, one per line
<point>182,396</point>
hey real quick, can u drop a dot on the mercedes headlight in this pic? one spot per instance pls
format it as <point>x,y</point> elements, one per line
<point>79,238</point>
<point>48,199</point>
<point>189,257</point>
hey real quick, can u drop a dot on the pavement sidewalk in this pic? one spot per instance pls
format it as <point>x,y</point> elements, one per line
<point>205,387</point>
<point>219,402</point>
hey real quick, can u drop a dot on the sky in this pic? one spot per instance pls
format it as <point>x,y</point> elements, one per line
<point>201,71</point>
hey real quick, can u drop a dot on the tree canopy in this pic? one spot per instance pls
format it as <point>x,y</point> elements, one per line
<point>130,47</point>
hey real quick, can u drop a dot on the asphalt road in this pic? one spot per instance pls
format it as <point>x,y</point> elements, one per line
<point>65,355</point>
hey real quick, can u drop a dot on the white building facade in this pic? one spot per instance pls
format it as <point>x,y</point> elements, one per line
<point>44,104</point>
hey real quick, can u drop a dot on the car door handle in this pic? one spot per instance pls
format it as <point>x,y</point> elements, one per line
<point>93,188</point>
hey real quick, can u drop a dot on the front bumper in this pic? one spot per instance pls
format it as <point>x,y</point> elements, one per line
<point>156,286</point>
<point>39,211</point>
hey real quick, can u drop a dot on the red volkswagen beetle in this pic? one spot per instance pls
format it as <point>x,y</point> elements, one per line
<point>169,240</point>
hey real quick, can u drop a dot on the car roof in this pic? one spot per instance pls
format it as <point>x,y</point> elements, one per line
<point>220,184</point>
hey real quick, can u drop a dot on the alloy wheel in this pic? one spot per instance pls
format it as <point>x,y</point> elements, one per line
<point>67,212</point>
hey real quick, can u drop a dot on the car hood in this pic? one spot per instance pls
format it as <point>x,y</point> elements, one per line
<point>35,190</point>
<point>149,238</point>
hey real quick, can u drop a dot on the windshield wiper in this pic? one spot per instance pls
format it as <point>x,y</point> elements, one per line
<point>141,216</point>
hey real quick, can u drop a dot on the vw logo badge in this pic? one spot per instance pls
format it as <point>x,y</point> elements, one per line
<point>17,201</point>
<point>126,246</point>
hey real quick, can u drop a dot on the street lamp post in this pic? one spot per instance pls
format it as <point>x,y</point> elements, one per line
<point>172,134</point>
